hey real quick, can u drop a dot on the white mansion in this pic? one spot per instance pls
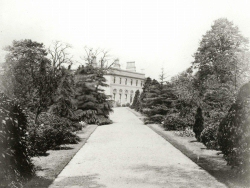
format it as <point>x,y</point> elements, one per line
<point>123,83</point>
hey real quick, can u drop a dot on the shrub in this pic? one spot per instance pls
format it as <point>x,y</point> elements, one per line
<point>173,122</point>
<point>198,124</point>
<point>128,105</point>
<point>123,105</point>
<point>148,121</point>
<point>187,132</point>
<point>234,132</point>
<point>209,137</point>
<point>50,132</point>
<point>15,162</point>
<point>103,120</point>
<point>88,116</point>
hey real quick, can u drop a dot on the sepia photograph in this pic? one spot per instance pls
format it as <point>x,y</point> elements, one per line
<point>124,94</point>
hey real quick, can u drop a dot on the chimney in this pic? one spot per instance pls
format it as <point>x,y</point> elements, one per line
<point>117,64</point>
<point>94,63</point>
<point>131,66</point>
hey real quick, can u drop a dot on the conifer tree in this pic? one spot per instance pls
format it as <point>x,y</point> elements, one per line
<point>145,89</point>
<point>63,105</point>
<point>199,124</point>
<point>90,97</point>
<point>135,100</point>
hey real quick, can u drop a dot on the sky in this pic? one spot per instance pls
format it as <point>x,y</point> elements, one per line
<point>154,33</point>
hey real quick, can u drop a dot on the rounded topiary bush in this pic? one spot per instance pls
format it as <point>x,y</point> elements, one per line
<point>234,132</point>
<point>209,137</point>
<point>15,162</point>
<point>198,124</point>
<point>173,122</point>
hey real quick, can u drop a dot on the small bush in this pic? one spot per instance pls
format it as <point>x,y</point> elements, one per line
<point>173,122</point>
<point>15,161</point>
<point>148,121</point>
<point>234,132</point>
<point>187,132</point>
<point>88,116</point>
<point>128,105</point>
<point>123,105</point>
<point>103,120</point>
<point>209,137</point>
<point>198,124</point>
<point>77,126</point>
<point>50,132</point>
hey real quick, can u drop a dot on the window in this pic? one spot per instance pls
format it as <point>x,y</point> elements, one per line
<point>136,82</point>
<point>120,80</point>
<point>131,82</point>
<point>126,96</point>
<point>141,83</point>
<point>114,79</point>
<point>114,96</point>
<point>126,81</point>
<point>131,98</point>
<point>120,96</point>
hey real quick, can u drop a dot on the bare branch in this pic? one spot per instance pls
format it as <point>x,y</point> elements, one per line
<point>58,54</point>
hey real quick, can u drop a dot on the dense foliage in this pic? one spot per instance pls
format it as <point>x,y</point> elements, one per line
<point>234,132</point>
<point>220,68</point>
<point>63,98</point>
<point>156,101</point>
<point>28,76</point>
<point>92,103</point>
<point>50,132</point>
<point>52,97</point>
<point>15,161</point>
<point>209,137</point>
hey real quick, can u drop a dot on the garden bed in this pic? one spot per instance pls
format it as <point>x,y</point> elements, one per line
<point>210,160</point>
<point>49,167</point>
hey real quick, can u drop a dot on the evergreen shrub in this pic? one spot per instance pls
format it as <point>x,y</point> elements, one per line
<point>234,132</point>
<point>88,116</point>
<point>173,122</point>
<point>198,124</point>
<point>103,120</point>
<point>209,137</point>
<point>15,161</point>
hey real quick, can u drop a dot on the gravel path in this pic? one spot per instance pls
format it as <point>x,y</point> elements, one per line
<point>128,154</point>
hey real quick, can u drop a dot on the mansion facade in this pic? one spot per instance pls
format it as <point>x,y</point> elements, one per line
<point>123,83</point>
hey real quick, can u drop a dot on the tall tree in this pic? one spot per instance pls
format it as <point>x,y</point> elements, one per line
<point>219,52</point>
<point>162,76</point>
<point>63,97</point>
<point>221,62</point>
<point>90,97</point>
<point>28,72</point>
